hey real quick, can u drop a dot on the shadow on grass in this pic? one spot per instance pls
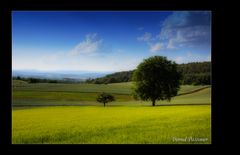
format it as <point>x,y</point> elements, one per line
<point>194,91</point>
<point>19,107</point>
<point>183,104</point>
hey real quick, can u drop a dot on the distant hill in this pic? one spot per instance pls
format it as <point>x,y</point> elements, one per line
<point>57,75</point>
<point>197,73</point>
<point>117,77</point>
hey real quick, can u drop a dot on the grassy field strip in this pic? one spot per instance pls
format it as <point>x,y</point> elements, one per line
<point>123,88</point>
<point>82,96</point>
<point>184,90</point>
<point>115,88</point>
<point>200,97</point>
<point>69,96</point>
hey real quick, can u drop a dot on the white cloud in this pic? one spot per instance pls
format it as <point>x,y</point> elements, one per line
<point>180,30</point>
<point>62,60</point>
<point>156,47</point>
<point>140,28</point>
<point>88,46</point>
<point>146,37</point>
<point>179,59</point>
<point>184,29</point>
<point>170,44</point>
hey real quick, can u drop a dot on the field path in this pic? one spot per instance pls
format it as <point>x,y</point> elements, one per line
<point>194,91</point>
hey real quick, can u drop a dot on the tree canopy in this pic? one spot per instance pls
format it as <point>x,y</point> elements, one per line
<point>156,78</point>
<point>105,98</point>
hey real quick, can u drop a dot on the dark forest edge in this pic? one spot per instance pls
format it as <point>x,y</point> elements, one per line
<point>195,73</point>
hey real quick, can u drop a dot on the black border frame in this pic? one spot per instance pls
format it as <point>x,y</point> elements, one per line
<point>218,137</point>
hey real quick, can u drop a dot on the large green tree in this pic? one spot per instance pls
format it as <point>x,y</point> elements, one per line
<point>156,78</point>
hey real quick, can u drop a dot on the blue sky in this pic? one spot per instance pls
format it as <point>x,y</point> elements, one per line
<point>107,41</point>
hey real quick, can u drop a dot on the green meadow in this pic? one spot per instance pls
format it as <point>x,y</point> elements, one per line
<point>69,114</point>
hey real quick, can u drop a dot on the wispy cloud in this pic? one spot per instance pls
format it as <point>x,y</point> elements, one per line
<point>186,29</point>
<point>156,47</point>
<point>180,30</point>
<point>146,37</point>
<point>88,46</point>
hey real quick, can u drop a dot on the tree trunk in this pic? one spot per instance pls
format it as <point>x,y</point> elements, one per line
<point>153,102</point>
<point>104,104</point>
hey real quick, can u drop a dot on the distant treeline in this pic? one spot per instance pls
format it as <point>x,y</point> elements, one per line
<point>196,73</point>
<point>42,80</point>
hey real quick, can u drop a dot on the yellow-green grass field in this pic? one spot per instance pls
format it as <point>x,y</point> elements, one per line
<point>111,125</point>
<point>69,114</point>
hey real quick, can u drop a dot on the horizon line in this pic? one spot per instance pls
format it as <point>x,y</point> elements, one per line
<point>64,70</point>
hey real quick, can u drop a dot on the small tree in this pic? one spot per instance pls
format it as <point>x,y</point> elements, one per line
<point>156,78</point>
<point>105,98</point>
